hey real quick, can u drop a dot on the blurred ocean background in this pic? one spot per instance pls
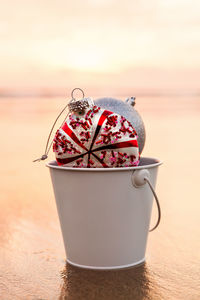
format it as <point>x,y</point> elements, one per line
<point>32,264</point>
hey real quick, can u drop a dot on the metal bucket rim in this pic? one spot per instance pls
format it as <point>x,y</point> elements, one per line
<point>53,165</point>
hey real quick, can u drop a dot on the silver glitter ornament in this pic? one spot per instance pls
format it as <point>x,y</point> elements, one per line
<point>127,110</point>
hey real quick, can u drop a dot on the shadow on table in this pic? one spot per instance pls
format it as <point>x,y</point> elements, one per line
<point>133,283</point>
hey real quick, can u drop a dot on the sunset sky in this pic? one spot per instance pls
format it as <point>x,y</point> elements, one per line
<point>99,44</point>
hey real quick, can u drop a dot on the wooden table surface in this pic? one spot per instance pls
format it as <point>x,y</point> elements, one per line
<point>32,257</point>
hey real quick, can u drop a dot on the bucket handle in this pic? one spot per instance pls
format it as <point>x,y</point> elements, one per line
<point>140,178</point>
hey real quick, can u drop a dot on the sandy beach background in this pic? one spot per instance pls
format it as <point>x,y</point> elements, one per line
<point>32,255</point>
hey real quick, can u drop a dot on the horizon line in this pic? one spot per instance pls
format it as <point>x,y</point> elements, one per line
<point>46,92</point>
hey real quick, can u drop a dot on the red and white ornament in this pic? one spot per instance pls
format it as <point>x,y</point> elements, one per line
<point>97,138</point>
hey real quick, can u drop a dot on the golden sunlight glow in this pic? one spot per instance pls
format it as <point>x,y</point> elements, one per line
<point>46,42</point>
<point>86,58</point>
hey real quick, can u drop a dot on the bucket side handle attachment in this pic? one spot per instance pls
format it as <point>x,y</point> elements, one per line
<point>141,177</point>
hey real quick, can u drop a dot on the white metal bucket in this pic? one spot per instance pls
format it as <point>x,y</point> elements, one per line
<point>105,213</point>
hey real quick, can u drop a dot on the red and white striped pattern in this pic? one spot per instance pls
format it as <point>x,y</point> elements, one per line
<point>96,139</point>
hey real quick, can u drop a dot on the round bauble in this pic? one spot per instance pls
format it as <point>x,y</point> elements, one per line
<point>96,138</point>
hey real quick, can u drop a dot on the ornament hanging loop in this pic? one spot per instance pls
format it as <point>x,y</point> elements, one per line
<point>48,147</point>
<point>73,106</point>
<point>43,157</point>
<point>72,93</point>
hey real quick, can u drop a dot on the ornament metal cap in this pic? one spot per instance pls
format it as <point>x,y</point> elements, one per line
<point>131,101</point>
<point>79,105</point>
